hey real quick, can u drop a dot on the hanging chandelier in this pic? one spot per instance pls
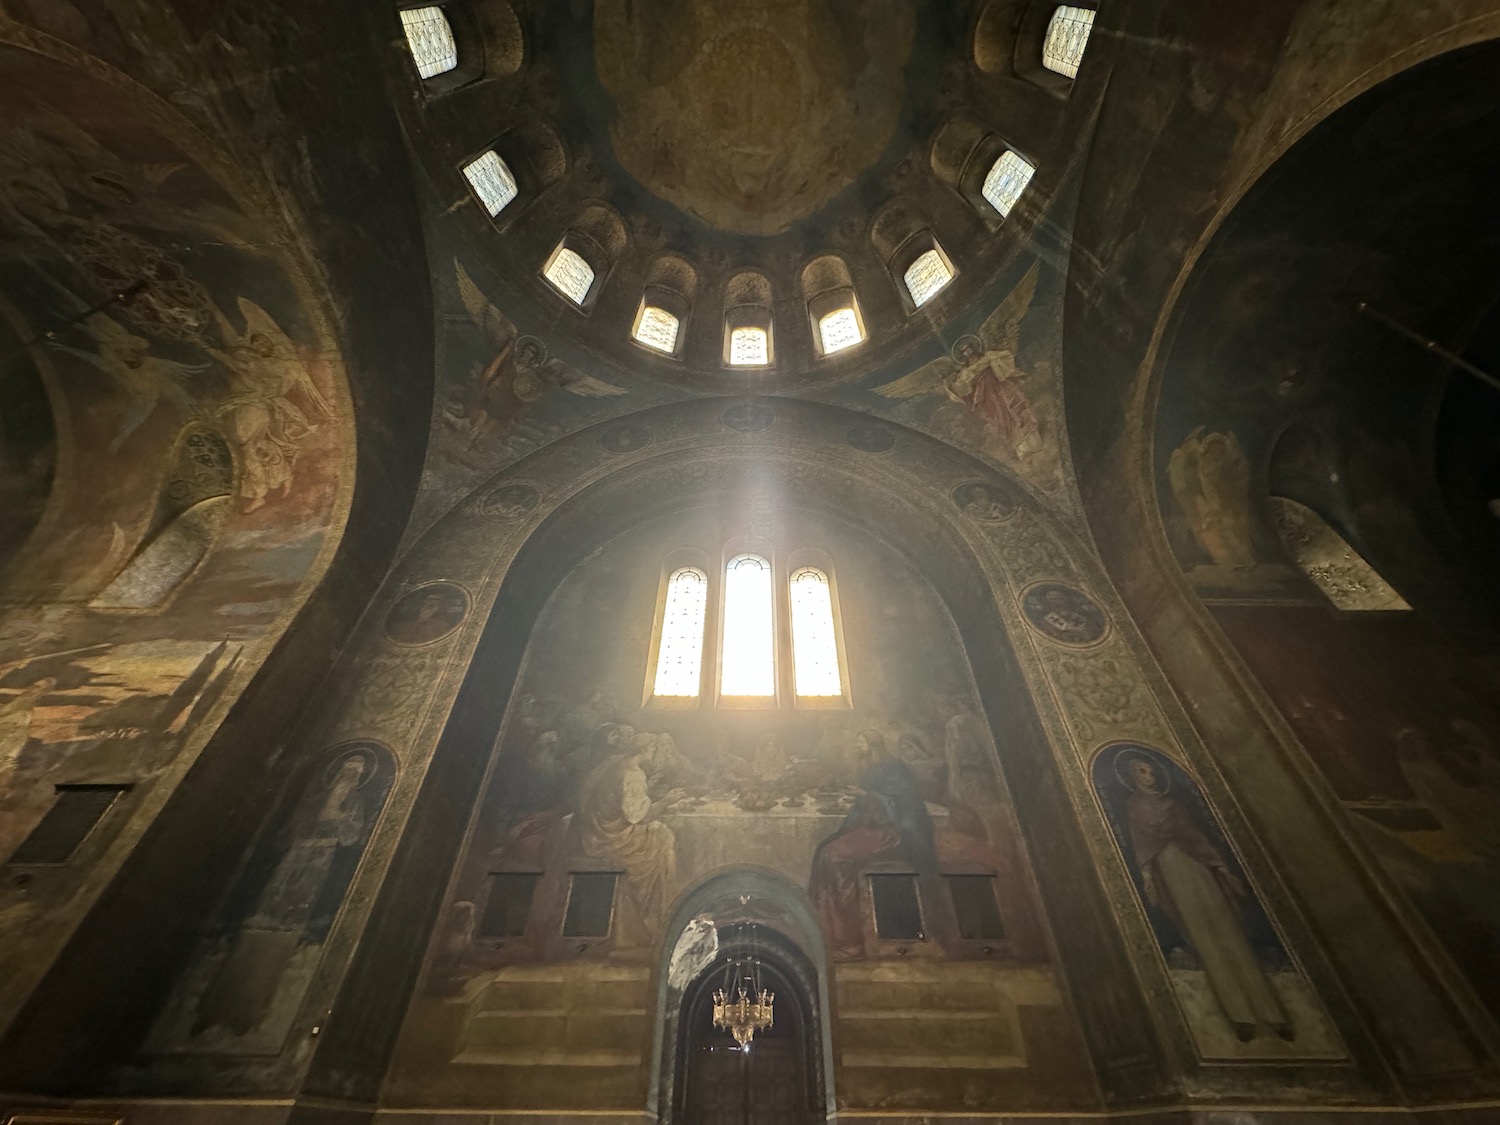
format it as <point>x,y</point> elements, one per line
<point>741,1006</point>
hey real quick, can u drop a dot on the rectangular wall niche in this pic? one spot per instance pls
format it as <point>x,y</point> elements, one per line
<point>74,813</point>
<point>509,904</point>
<point>975,908</point>
<point>898,912</point>
<point>591,900</point>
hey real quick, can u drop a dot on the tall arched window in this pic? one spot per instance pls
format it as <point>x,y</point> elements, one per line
<point>747,664</point>
<point>815,648</point>
<point>679,656</point>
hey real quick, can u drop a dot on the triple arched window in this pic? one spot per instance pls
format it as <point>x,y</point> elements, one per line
<point>775,636</point>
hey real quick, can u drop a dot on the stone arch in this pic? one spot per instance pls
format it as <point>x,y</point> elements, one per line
<point>1256,742</point>
<point>776,905</point>
<point>979,536</point>
<point>231,323</point>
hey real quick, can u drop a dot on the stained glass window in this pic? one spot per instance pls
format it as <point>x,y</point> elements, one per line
<point>1067,36</point>
<point>815,649</point>
<point>749,347</point>
<point>679,657</point>
<point>1007,180</point>
<point>839,330</point>
<point>572,276</point>
<point>748,665</point>
<point>491,181</point>
<point>430,39</point>
<point>926,276</point>
<point>657,328</point>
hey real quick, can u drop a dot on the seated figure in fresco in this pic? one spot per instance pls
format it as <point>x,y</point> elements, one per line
<point>889,820</point>
<point>616,821</point>
<point>1454,788</point>
<point>1186,876</point>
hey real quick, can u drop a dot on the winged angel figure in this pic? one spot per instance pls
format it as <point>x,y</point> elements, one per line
<point>518,374</point>
<point>1211,483</point>
<point>145,379</point>
<point>984,376</point>
<point>266,426</point>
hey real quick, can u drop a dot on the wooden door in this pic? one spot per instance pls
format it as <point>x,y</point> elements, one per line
<point>764,1085</point>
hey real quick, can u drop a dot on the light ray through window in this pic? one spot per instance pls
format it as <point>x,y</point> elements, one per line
<point>679,657</point>
<point>815,649</point>
<point>748,665</point>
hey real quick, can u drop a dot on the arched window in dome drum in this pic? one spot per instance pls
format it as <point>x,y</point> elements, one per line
<point>1007,179</point>
<point>430,39</point>
<point>657,329</point>
<point>747,664</point>
<point>570,275</point>
<point>927,275</point>
<point>815,650</point>
<point>679,658</point>
<point>749,346</point>
<point>840,329</point>
<point>1067,36</point>
<point>492,182</point>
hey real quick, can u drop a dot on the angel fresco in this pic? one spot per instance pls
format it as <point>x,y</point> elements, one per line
<point>266,426</point>
<point>517,374</point>
<point>1211,483</point>
<point>145,379</point>
<point>985,377</point>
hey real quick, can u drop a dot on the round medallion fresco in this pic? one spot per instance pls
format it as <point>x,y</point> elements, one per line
<point>427,613</point>
<point>870,437</point>
<point>982,501</point>
<point>748,417</point>
<point>625,439</point>
<point>510,501</point>
<point>1064,614</point>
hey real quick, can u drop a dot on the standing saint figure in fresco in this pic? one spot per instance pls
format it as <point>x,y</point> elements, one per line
<point>1190,880</point>
<point>616,822</point>
<point>286,913</point>
<point>984,375</point>
<point>889,820</point>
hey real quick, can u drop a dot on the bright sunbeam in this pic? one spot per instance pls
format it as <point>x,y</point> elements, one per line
<point>749,650</point>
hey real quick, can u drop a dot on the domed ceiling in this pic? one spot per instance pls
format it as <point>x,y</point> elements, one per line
<point>718,155</point>
<point>706,95</point>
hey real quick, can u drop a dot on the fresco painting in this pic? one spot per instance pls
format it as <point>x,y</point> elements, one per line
<point>995,392</point>
<point>1238,988</point>
<point>683,128</point>
<point>427,614</point>
<point>585,778</point>
<point>1406,731</point>
<point>201,466</point>
<point>240,991</point>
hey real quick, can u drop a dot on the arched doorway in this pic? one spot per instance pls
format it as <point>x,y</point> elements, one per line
<point>774,1078</point>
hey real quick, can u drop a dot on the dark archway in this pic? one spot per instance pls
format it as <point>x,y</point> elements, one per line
<point>775,1078</point>
<point>1295,367</point>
